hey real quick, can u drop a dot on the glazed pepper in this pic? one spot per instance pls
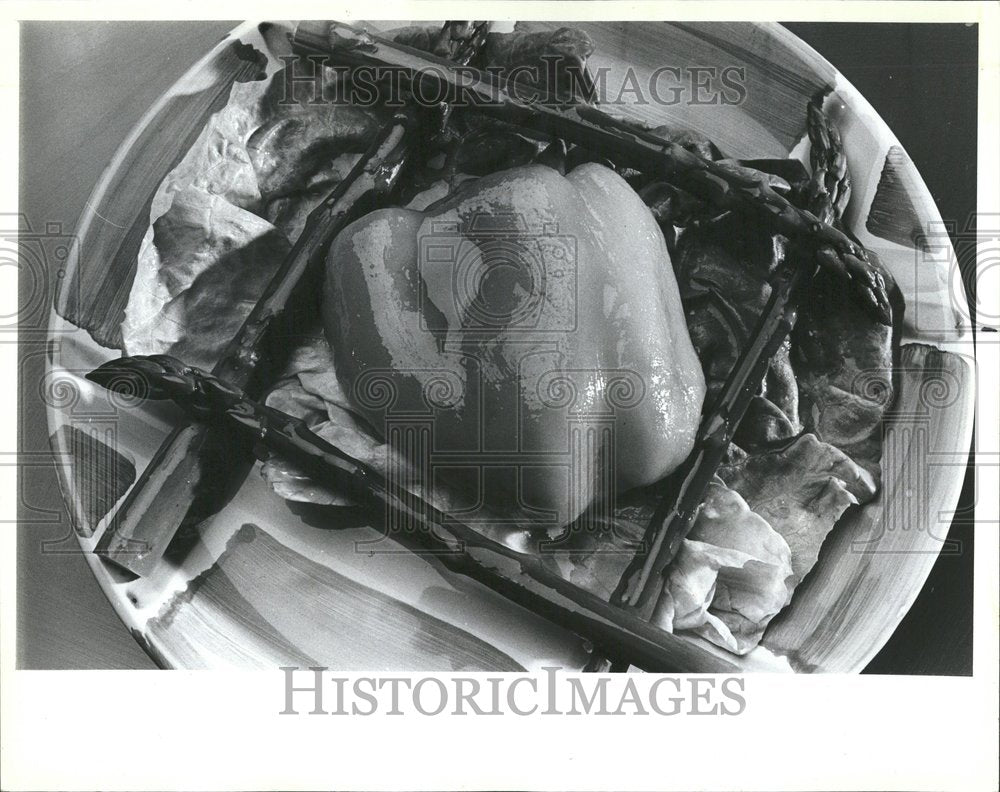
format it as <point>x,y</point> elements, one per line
<point>531,324</point>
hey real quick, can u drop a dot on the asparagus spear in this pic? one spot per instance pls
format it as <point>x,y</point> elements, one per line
<point>641,585</point>
<point>520,577</point>
<point>642,582</point>
<point>174,489</point>
<point>177,484</point>
<point>829,189</point>
<point>628,144</point>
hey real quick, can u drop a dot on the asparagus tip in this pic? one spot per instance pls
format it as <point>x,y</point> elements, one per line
<point>125,377</point>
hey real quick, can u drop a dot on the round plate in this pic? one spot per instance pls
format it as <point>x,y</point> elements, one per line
<point>265,583</point>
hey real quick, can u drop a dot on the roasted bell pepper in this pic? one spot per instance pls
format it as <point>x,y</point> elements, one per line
<point>533,321</point>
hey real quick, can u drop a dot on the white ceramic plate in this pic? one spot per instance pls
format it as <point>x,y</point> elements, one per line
<point>263,585</point>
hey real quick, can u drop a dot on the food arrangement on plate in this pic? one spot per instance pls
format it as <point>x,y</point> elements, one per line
<point>599,366</point>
